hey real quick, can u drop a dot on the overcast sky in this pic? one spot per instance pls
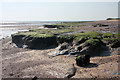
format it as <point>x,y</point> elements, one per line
<point>57,11</point>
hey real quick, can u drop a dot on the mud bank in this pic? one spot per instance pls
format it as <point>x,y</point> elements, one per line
<point>26,63</point>
<point>92,43</point>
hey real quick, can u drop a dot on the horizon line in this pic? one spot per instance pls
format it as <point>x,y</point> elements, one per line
<point>48,20</point>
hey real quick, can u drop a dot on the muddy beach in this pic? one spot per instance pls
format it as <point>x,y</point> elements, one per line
<point>27,63</point>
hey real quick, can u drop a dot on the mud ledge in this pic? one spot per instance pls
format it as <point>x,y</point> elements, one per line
<point>73,44</point>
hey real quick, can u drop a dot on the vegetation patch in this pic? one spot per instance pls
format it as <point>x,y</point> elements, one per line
<point>65,38</point>
<point>82,37</point>
<point>117,35</point>
<point>79,37</point>
<point>71,24</point>
<point>52,31</point>
<point>114,42</point>
<point>109,40</point>
<point>107,35</point>
<point>93,42</point>
<point>88,35</point>
<point>34,40</point>
<point>100,25</point>
<point>58,36</point>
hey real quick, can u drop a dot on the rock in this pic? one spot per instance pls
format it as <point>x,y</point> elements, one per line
<point>53,26</point>
<point>54,53</point>
<point>115,45</point>
<point>11,74</point>
<point>115,51</point>
<point>64,46</point>
<point>63,49</point>
<point>34,42</point>
<point>65,38</point>
<point>58,52</point>
<point>41,42</point>
<point>82,45</point>
<point>85,49</point>
<point>74,52</point>
<point>91,50</point>
<point>78,48</point>
<point>14,45</point>
<point>35,78</point>
<point>63,52</point>
<point>25,46</point>
<point>100,25</point>
<point>83,60</point>
<point>79,41</point>
<point>18,40</point>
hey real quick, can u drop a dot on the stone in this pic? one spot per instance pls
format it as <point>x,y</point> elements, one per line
<point>11,74</point>
<point>64,46</point>
<point>34,42</point>
<point>35,78</point>
<point>74,52</point>
<point>83,60</point>
<point>58,52</point>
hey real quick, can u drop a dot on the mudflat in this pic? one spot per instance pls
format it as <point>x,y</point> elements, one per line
<point>27,63</point>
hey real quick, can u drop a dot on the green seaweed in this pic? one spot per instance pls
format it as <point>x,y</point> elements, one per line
<point>110,40</point>
<point>107,35</point>
<point>93,42</point>
<point>65,38</point>
<point>52,31</point>
<point>80,56</point>
<point>71,24</point>
<point>33,34</point>
<point>82,37</point>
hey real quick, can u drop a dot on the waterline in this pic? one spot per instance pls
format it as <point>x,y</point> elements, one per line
<point>6,32</point>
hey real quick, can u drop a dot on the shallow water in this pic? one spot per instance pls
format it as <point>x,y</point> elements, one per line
<point>5,32</point>
<point>25,23</point>
<point>85,31</point>
<point>108,32</point>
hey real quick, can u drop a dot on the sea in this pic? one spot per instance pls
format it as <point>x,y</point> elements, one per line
<point>9,27</point>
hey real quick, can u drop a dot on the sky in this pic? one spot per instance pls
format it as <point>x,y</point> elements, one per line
<point>56,11</point>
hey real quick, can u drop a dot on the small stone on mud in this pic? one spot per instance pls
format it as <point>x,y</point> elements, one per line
<point>35,78</point>
<point>11,74</point>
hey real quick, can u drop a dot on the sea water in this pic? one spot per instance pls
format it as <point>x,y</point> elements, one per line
<point>6,31</point>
